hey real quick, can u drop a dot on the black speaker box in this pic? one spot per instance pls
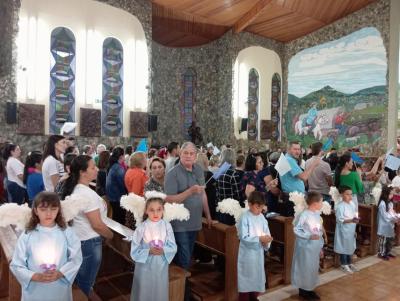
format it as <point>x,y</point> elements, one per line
<point>152,123</point>
<point>11,112</point>
<point>243,125</point>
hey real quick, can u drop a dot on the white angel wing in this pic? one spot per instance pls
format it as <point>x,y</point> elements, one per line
<point>231,207</point>
<point>376,192</point>
<point>299,203</point>
<point>72,205</point>
<point>14,214</point>
<point>334,193</point>
<point>135,204</point>
<point>326,208</point>
<point>175,211</point>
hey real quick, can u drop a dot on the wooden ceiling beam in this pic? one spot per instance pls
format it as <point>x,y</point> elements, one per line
<point>250,16</point>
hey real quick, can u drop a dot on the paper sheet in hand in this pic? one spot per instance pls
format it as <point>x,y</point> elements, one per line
<point>216,151</point>
<point>210,145</point>
<point>282,166</point>
<point>392,162</point>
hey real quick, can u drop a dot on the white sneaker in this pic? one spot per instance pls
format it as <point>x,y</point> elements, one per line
<point>346,269</point>
<point>353,268</point>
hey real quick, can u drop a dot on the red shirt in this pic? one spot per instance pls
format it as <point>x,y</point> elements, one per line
<point>135,178</point>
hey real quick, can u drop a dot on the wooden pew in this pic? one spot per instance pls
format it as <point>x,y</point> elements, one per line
<point>122,263</point>
<point>9,286</point>
<point>281,229</point>
<point>221,239</point>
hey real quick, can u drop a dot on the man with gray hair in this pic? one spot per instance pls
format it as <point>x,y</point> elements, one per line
<point>99,149</point>
<point>184,183</point>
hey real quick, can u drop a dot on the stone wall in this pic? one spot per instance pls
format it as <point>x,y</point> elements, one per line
<point>374,15</point>
<point>213,64</point>
<point>9,28</point>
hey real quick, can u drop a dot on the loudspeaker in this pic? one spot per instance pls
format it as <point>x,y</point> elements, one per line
<point>243,125</point>
<point>11,112</point>
<point>152,123</point>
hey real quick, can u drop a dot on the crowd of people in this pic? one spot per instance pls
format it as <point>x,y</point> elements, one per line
<point>185,173</point>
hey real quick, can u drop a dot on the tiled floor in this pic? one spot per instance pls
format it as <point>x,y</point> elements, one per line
<point>377,280</point>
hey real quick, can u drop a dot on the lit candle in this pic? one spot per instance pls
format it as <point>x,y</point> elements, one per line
<point>47,254</point>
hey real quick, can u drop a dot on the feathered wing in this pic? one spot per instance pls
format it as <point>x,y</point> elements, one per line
<point>134,204</point>
<point>334,193</point>
<point>153,194</point>
<point>231,207</point>
<point>14,214</point>
<point>299,203</point>
<point>326,208</point>
<point>376,192</point>
<point>72,205</point>
<point>176,211</point>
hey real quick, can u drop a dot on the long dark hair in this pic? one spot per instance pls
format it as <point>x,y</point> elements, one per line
<point>7,151</point>
<point>346,157</point>
<point>32,159</point>
<point>386,190</point>
<point>251,160</point>
<point>49,148</point>
<point>115,155</point>
<point>80,163</point>
<point>46,199</point>
<point>148,202</point>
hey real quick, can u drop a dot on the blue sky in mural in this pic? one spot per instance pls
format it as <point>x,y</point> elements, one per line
<point>349,64</point>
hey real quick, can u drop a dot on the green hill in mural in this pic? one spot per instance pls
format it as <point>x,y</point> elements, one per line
<point>350,119</point>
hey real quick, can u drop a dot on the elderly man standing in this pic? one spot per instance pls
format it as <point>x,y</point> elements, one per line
<point>295,178</point>
<point>184,183</point>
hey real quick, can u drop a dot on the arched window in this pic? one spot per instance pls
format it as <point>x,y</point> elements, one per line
<point>62,78</point>
<point>111,123</point>
<point>188,100</point>
<point>276,106</point>
<point>253,97</point>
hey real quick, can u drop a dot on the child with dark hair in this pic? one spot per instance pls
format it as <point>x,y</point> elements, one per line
<point>386,220</point>
<point>33,178</point>
<point>308,246</point>
<point>346,222</point>
<point>48,254</point>
<point>153,248</point>
<point>255,238</point>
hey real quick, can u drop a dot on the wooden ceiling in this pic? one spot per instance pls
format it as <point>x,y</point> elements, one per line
<point>187,23</point>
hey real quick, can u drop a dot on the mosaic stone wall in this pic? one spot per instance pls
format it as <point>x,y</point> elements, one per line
<point>213,64</point>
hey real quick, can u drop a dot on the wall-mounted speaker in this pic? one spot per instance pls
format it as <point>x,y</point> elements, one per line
<point>152,123</point>
<point>243,125</point>
<point>11,112</point>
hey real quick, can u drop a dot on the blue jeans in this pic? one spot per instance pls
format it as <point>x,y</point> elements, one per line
<point>16,193</point>
<point>345,259</point>
<point>91,253</point>
<point>185,243</point>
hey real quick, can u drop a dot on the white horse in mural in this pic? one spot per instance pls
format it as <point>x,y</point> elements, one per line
<point>299,129</point>
<point>317,131</point>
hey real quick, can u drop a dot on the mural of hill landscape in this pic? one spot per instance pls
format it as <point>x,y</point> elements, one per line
<point>338,90</point>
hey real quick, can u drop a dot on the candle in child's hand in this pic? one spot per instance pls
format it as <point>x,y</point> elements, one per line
<point>48,267</point>
<point>156,243</point>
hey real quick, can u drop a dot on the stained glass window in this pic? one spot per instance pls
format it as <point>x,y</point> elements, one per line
<point>188,99</point>
<point>276,106</point>
<point>253,97</point>
<point>62,78</point>
<point>112,105</point>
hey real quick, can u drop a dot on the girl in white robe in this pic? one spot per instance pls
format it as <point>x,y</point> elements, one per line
<point>153,248</point>
<point>48,254</point>
<point>255,238</point>
<point>308,246</point>
<point>345,231</point>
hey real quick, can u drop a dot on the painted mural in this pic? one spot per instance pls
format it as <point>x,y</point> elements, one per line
<point>337,90</point>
